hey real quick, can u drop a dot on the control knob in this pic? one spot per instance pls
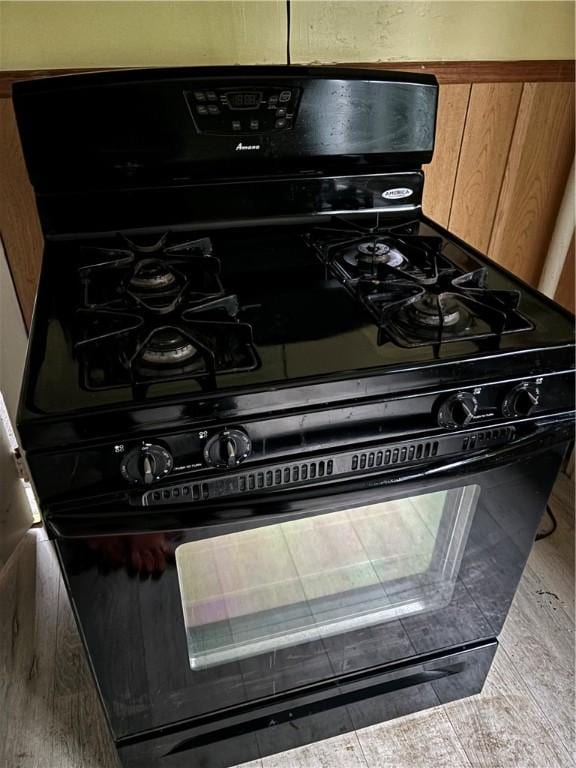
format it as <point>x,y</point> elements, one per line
<point>227,448</point>
<point>457,411</point>
<point>520,401</point>
<point>146,464</point>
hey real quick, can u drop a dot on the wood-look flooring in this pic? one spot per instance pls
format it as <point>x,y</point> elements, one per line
<point>524,718</point>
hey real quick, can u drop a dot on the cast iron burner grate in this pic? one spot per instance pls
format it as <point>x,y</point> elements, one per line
<point>155,313</point>
<point>157,277</point>
<point>416,295</point>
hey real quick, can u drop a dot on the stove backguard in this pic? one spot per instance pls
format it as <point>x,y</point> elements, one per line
<point>396,195</point>
<point>140,148</point>
<point>128,128</point>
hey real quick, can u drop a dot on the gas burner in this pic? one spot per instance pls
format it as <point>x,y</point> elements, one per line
<point>415,315</point>
<point>119,349</point>
<point>183,274</point>
<point>152,319</point>
<point>374,253</point>
<point>168,346</point>
<point>435,311</point>
<point>414,292</point>
<point>151,275</point>
<point>380,258</point>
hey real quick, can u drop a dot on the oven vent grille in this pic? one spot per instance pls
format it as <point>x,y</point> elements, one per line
<point>307,470</point>
<point>248,481</point>
<point>282,475</point>
<point>394,456</point>
<point>486,437</point>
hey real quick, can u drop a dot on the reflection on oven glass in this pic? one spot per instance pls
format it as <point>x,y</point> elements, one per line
<point>254,591</point>
<point>145,554</point>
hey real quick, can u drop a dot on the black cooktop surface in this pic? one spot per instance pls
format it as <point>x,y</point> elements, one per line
<point>132,319</point>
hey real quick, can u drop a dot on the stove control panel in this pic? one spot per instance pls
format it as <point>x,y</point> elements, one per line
<point>146,464</point>
<point>515,400</point>
<point>458,410</point>
<point>227,448</point>
<point>211,450</point>
<point>243,110</point>
<point>521,401</point>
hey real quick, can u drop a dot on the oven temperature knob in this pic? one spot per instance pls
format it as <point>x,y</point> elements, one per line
<point>520,401</point>
<point>146,464</point>
<point>457,411</point>
<point>228,448</point>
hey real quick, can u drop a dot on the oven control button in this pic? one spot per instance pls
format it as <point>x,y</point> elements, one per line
<point>520,401</point>
<point>457,411</point>
<point>228,448</point>
<point>146,464</point>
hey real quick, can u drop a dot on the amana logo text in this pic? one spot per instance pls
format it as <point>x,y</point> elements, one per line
<point>243,147</point>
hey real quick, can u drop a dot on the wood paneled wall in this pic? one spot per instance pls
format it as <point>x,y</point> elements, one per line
<point>503,154</point>
<point>502,160</point>
<point>565,293</point>
<point>19,223</point>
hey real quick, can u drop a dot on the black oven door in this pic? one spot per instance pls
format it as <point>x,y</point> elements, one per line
<point>282,597</point>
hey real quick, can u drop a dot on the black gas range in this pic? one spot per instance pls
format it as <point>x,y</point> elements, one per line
<point>292,440</point>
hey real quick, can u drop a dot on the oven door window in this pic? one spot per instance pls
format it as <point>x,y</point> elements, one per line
<point>267,588</point>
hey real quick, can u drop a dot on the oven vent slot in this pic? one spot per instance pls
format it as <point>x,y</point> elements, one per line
<point>307,470</point>
<point>190,492</point>
<point>394,456</point>
<point>487,437</point>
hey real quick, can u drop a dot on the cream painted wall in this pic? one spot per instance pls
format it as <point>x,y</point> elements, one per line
<point>466,30</point>
<point>45,35</point>
<point>36,35</point>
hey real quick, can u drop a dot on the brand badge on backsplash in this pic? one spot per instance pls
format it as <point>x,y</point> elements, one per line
<point>244,147</point>
<point>397,193</point>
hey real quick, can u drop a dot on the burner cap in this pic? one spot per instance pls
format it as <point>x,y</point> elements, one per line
<point>152,275</point>
<point>168,346</point>
<point>376,252</point>
<point>433,311</point>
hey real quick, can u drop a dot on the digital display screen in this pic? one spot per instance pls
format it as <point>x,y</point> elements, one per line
<point>248,100</point>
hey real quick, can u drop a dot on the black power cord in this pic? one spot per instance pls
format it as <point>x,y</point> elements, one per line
<point>543,534</point>
<point>288,20</point>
